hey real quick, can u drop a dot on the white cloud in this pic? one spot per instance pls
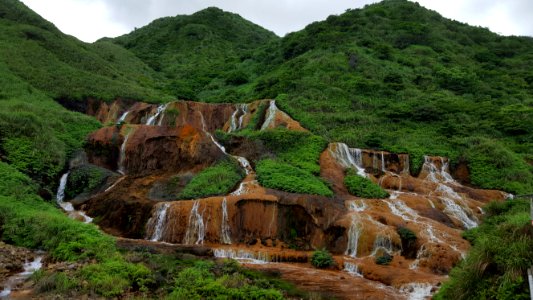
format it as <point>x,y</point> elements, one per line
<point>89,20</point>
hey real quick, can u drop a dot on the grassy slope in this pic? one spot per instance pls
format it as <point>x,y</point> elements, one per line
<point>63,67</point>
<point>496,266</point>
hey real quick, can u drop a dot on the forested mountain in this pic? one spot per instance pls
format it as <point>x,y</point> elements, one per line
<point>390,124</point>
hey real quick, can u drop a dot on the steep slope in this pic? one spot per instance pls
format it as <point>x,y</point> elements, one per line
<point>206,51</point>
<point>63,67</point>
<point>399,77</point>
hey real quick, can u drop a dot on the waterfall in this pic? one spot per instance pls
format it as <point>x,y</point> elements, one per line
<point>13,281</point>
<point>244,187</point>
<point>457,212</point>
<point>383,169</point>
<point>417,290</point>
<point>270,115</point>
<point>60,195</point>
<point>196,229</point>
<point>449,198</point>
<point>353,237</point>
<point>272,220</point>
<point>151,120</point>
<point>158,221</point>
<point>122,157</point>
<point>236,124</point>
<point>357,205</point>
<point>435,174</point>
<point>243,255</point>
<point>352,268</point>
<point>67,206</point>
<point>225,228</point>
<point>123,117</point>
<point>245,164</point>
<point>348,157</point>
<point>406,166</point>
<point>382,242</point>
<point>244,108</point>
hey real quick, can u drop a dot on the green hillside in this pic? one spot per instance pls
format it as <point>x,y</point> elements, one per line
<point>206,51</point>
<point>64,67</point>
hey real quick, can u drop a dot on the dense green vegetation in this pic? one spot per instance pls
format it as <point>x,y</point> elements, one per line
<point>363,187</point>
<point>85,179</point>
<point>282,176</point>
<point>495,267</point>
<point>206,51</point>
<point>219,179</point>
<point>322,259</point>
<point>63,67</point>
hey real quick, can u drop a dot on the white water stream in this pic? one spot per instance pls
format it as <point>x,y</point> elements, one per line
<point>196,228</point>
<point>225,228</point>
<point>13,281</point>
<point>158,221</point>
<point>348,157</point>
<point>67,206</point>
<point>153,118</point>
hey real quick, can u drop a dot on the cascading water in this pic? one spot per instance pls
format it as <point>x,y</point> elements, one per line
<point>243,255</point>
<point>382,243</point>
<point>158,221</point>
<point>383,168</point>
<point>13,281</point>
<point>270,115</point>
<point>352,269</point>
<point>122,157</point>
<point>353,237</point>
<point>225,232</point>
<point>67,206</point>
<point>196,229</point>
<point>417,290</point>
<point>406,166</point>
<point>236,123</point>
<point>436,174</point>
<point>348,157</point>
<point>450,198</point>
<point>152,119</point>
<point>123,117</point>
<point>357,205</point>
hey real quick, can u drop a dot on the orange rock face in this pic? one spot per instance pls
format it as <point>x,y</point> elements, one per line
<point>255,224</point>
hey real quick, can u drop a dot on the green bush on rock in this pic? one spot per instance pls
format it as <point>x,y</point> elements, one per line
<point>363,187</point>
<point>219,179</point>
<point>322,259</point>
<point>282,176</point>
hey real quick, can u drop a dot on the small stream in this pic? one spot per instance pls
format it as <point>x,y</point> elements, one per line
<point>13,281</point>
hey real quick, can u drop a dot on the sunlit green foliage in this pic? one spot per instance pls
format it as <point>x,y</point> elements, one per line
<point>363,187</point>
<point>219,179</point>
<point>282,176</point>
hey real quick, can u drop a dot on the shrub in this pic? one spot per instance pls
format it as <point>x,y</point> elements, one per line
<point>363,187</point>
<point>322,259</point>
<point>385,259</point>
<point>85,179</point>
<point>216,180</point>
<point>282,176</point>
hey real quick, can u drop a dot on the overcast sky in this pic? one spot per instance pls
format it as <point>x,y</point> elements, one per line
<point>90,20</point>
